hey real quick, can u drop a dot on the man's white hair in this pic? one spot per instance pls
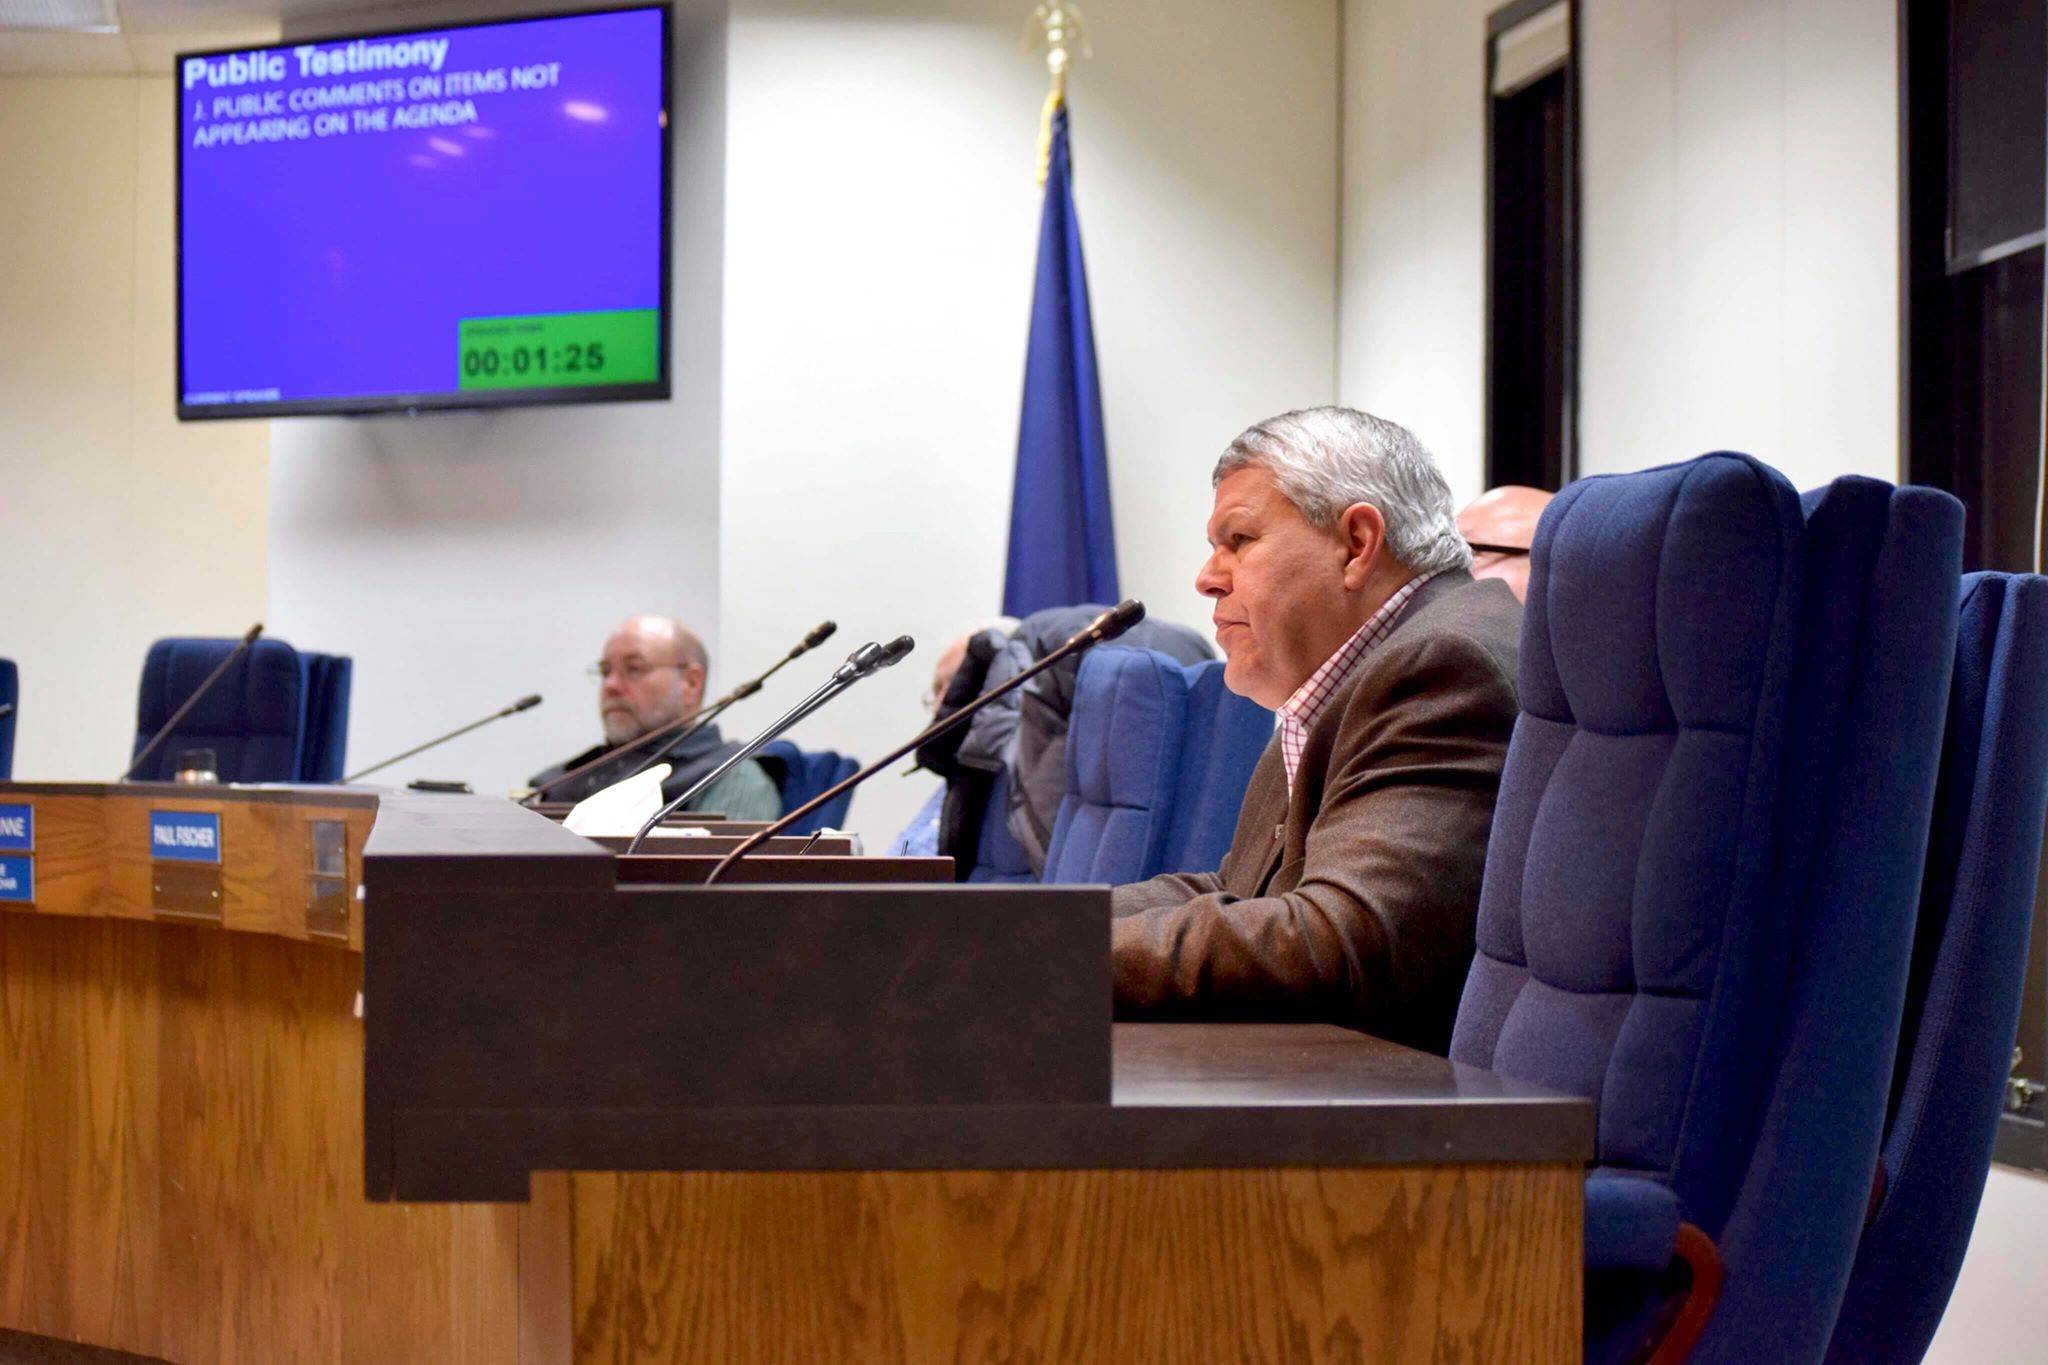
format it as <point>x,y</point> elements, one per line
<point>1325,459</point>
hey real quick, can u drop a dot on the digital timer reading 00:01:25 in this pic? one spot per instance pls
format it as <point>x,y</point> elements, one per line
<point>552,350</point>
<point>571,358</point>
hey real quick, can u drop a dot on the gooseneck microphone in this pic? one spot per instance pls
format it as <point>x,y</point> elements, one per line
<point>1107,626</point>
<point>659,741</point>
<point>526,703</point>
<point>170,726</point>
<point>869,658</point>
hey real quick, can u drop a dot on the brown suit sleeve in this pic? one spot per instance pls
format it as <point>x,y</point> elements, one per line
<point>1376,925</point>
<point>1166,890</point>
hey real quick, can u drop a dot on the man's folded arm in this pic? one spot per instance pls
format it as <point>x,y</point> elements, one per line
<point>1381,921</point>
<point>1168,889</point>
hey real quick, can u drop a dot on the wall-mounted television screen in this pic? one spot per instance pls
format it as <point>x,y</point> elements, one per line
<point>457,217</point>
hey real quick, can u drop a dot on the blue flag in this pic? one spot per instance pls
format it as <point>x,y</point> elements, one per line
<point>1062,549</point>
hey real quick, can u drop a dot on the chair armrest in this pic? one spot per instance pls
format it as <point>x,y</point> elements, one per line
<point>1631,1223</point>
<point>1634,1230</point>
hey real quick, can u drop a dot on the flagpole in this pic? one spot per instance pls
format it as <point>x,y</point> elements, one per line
<point>1058,25</point>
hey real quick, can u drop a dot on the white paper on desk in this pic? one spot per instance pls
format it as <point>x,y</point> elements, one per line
<point>619,810</point>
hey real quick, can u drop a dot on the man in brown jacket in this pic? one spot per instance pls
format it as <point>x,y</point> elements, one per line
<point>1345,601</point>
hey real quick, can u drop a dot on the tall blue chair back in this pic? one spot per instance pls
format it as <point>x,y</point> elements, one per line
<point>1876,652</point>
<point>1968,964</point>
<point>1631,936</point>
<point>10,694</point>
<point>253,720</point>
<point>323,757</point>
<point>801,775</point>
<point>1158,755</point>
<point>1220,746</point>
<point>998,857</point>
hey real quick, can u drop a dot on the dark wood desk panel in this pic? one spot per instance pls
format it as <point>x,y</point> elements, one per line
<point>1182,1095</point>
<point>721,843</point>
<point>666,869</point>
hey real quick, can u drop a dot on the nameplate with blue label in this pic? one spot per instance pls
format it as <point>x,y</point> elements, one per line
<point>17,878</point>
<point>184,836</point>
<point>17,829</point>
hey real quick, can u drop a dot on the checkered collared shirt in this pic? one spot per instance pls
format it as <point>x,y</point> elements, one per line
<point>1299,713</point>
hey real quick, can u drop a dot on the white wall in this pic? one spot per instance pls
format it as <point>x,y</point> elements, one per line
<point>465,559</point>
<point>1739,277</point>
<point>1411,340</point>
<point>882,214</point>
<point>1995,1314</point>
<point>120,525</point>
<point>1741,234</point>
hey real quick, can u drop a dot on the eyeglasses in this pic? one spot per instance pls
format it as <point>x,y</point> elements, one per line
<point>633,670</point>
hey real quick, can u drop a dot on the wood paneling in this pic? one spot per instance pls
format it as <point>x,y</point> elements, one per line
<point>1469,1263</point>
<point>92,857</point>
<point>181,1160</point>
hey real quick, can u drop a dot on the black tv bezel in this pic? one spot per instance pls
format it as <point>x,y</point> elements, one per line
<point>658,389</point>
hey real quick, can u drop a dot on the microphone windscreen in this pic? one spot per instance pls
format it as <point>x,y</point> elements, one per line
<point>893,652</point>
<point>526,703</point>
<point>1117,620</point>
<point>1128,613</point>
<point>820,633</point>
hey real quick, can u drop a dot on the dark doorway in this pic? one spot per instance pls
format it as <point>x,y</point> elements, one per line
<point>1973,152</point>
<point>1532,244</point>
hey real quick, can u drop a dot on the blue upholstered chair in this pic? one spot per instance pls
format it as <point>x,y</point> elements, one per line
<point>277,716</point>
<point>1969,959</point>
<point>998,857</point>
<point>10,694</point>
<point>253,720</point>
<point>1870,694</point>
<point>1631,943</point>
<point>323,757</point>
<point>1158,756</point>
<point>801,775</point>
<point>1701,876</point>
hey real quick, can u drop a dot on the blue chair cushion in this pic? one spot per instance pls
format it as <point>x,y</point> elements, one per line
<point>1123,762</point>
<point>1158,757</point>
<point>802,775</point>
<point>1630,946</point>
<point>1631,1222</point>
<point>253,719</point>
<point>10,693</point>
<point>323,757</point>
<point>998,857</point>
<point>1220,745</point>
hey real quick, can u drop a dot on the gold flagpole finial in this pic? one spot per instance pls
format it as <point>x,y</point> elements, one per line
<point>1059,26</point>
